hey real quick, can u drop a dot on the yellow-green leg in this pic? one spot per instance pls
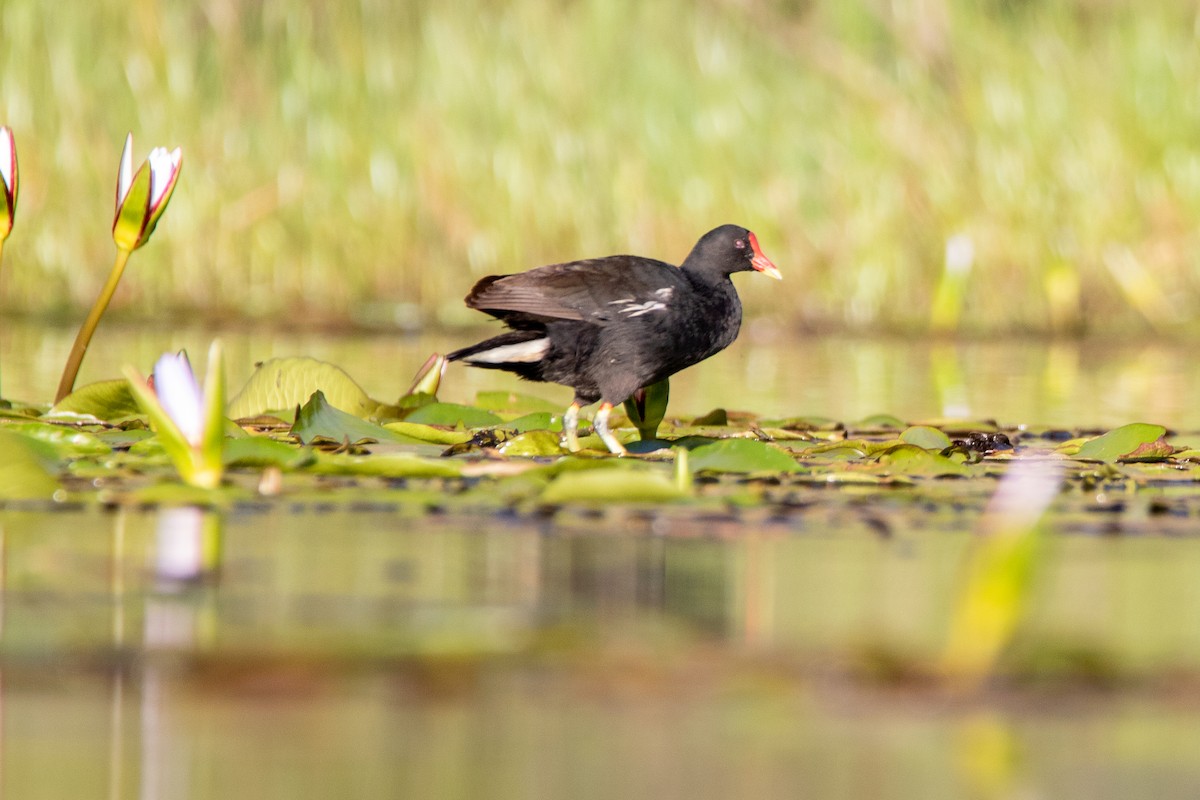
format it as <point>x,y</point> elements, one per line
<point>601,426</point>
<point>570,428</point>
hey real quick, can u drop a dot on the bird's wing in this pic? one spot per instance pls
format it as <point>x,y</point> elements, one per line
<point>595,291</point>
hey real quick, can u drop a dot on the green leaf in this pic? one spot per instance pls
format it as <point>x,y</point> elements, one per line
<point>428,433</point>
<point>22,476</point>
<point>1120,442</point>
<point>741,455</point>
<point>909,459</point>
<point>885,422</point>
<point>284,383</point>
<point>515,403</point>
<point>105,400</point>
<point>532,444</point>
<point>927,437</point>
<point>536,421</point>
<point>261,451</point>
<point>717,417</point>
<point>65,441</point>
<point>452,415</point>
<point>390,465</point>
<point>612,485</point>
<point>318,418</point>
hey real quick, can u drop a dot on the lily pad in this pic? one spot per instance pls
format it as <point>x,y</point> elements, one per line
<point>105,400</point>
<point>65,440</point>
<point>740,455</point>
<point>536,421</point>
<point>22,476</point>
<point>612,485</point>
<point>390,465</point>
<point>428,433</point>
<point>451,415</point>
<point>532,444</point>
<point>926,437</point>
<point>515,403</point>
<point>880,422</point>
<point>911,460</point>
<point>320,419</point>
<point>261,451</point>
<point>283,383</point>
<point>1120,442</point>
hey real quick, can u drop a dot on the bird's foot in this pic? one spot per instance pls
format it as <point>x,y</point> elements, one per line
<point>601,425</point>
<point>570,428</point>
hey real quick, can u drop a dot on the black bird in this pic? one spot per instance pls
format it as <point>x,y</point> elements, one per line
<point>609,326</point>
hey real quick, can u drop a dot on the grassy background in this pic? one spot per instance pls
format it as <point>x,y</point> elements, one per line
<point>364,162</point>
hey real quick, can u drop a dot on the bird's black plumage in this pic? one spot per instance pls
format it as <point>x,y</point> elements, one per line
<point>609,326</point>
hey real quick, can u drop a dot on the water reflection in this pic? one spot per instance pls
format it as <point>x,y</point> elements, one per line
<point>601,655</point>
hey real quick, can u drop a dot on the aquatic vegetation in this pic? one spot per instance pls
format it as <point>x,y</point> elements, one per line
<point>190,421</point>
<point>141,199</point>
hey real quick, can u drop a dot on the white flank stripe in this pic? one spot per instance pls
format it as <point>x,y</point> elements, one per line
<point>523,352</point>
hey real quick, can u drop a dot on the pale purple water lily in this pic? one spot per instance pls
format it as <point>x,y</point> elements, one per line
<point>189,421</point>
<point>180,395</point>
<point>9,180</point>
<point>142,196</point>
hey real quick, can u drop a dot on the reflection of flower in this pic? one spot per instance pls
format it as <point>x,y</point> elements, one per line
<point>142,197</point>
<point>190,421</point>
<point>9,181</point>
<point>187,545</point>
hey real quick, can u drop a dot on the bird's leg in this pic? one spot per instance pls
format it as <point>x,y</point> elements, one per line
<point>570,424</point>
<point>601,426</point>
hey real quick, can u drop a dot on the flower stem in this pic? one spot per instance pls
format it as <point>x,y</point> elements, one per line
<point>71,370</point>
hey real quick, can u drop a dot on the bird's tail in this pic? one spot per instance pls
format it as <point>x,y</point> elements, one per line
<point>515,351</point>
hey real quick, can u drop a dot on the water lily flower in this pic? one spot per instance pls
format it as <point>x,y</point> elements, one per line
<point>9,181</point>
<point>142,196</point>
<point>428,379</point>
<point>190,421</point>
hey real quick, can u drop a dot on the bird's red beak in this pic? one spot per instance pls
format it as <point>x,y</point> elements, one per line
<point>761,263</point>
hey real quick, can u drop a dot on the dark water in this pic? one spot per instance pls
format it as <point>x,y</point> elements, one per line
<point>312,650</point>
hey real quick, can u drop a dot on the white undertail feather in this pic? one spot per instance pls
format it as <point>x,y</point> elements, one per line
<point>522,353</point>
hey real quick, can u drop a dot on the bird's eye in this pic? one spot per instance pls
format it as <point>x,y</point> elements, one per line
<point>740,244</point>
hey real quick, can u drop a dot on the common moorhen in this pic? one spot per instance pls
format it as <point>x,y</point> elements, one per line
<point>609,326</point>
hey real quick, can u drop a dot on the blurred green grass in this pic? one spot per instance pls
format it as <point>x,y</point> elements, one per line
<point>364,162</point>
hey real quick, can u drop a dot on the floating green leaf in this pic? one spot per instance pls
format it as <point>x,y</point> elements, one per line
<point>260,451</point>
<point>908,459</point>
<point>65,440</point>
<point>452,415</point>
<point>320,419</point>
<point>536,421</point>
<point>612,485</point>
<point>926,437</point>
<point>428,433</point>
<point>532,443</point>
<point>515,403</point>
<point>389,465</point>
<point>283,383</point>
<point>22,476</point>
<point>879,422</point>
<point>1120,442</point>
<point>741,455</point>
<point>105,400</point>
